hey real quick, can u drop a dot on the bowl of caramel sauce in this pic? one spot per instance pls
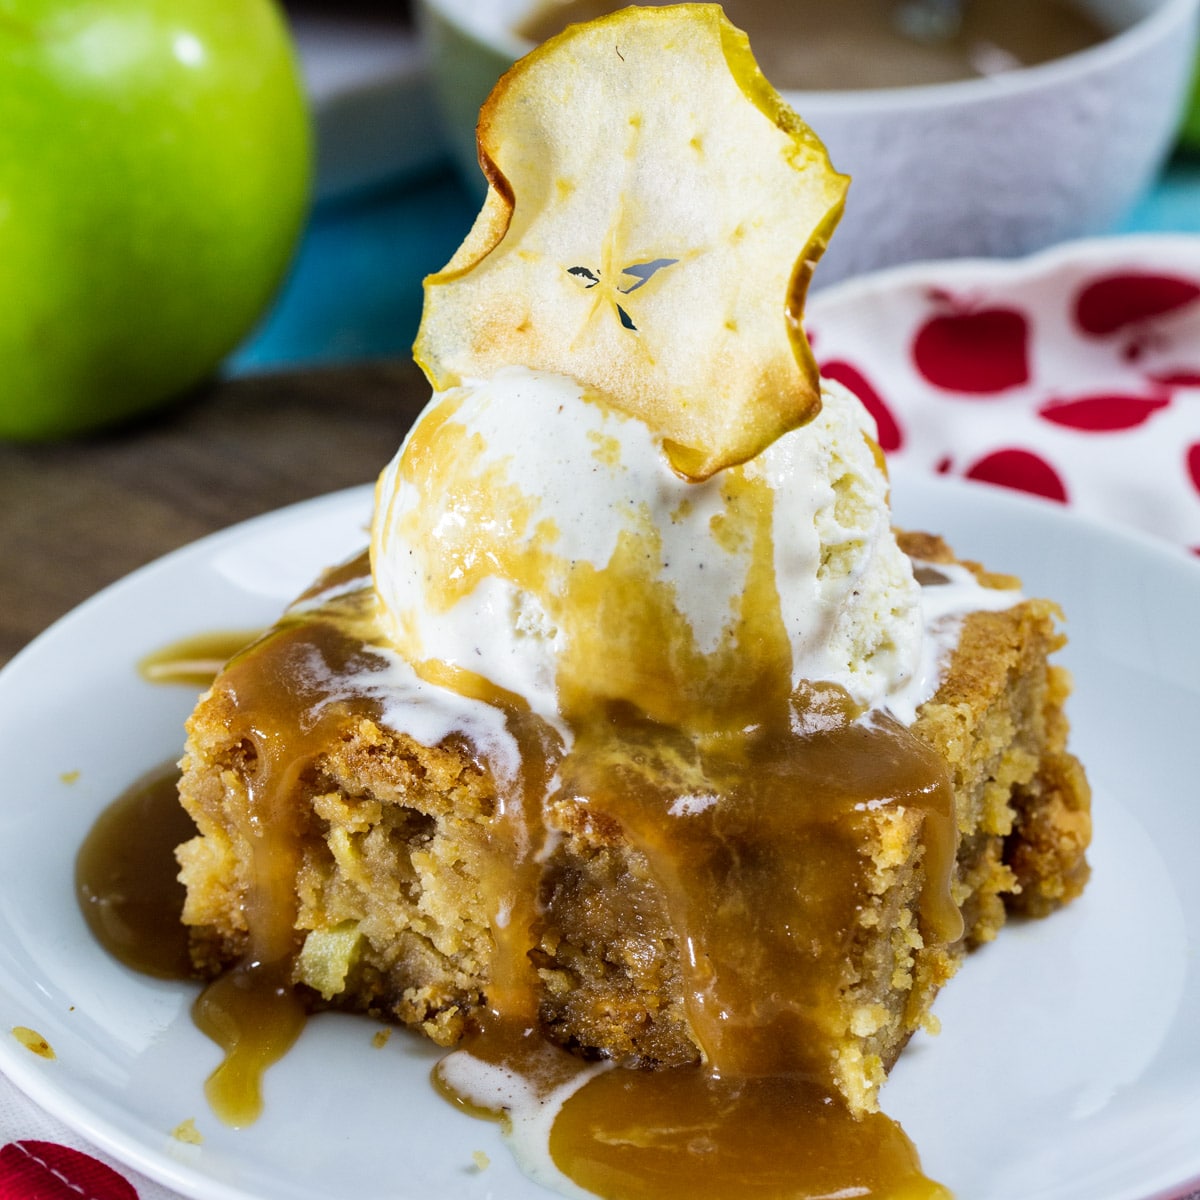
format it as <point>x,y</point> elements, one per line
<point>1007,126</point>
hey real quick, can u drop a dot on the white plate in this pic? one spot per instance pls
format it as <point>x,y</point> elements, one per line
<point>1069,1066</point>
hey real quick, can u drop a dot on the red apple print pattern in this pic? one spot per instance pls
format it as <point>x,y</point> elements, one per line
<point>1184,377</point>
<point>1116,301</point>
<point>891,437</point>
<point>976,353</point>
<point>1022,470</point>
<point>32,1170</point>
<point>1074,376</point>
<point>1104,413</point>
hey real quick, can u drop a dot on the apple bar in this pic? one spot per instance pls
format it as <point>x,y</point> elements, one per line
<point>383,858</point>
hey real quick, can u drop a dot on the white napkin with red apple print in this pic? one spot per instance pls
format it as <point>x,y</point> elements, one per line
<point>42,1159</point>
<point>1074,375</point>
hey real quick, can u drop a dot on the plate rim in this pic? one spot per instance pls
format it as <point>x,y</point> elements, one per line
<point>56,1098</point>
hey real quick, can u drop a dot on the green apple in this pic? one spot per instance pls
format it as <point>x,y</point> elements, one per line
<point>1189,135</point>
<point>154,171</point>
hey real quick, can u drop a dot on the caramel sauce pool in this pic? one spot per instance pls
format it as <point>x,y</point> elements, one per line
<point>684,1134</point>
<point>125,878</point>
<point>834,45</point>
<point>127,886</point>
<point>679,1135</point>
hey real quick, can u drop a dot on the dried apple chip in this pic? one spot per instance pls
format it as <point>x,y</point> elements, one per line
<point>653,216</point>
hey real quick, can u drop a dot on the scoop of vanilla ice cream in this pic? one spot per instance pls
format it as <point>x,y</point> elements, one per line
<point>532,537</point>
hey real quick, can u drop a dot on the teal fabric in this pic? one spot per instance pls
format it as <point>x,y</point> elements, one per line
<point>355,288</point>
<point>1173,205</point>
<point>354,292</point>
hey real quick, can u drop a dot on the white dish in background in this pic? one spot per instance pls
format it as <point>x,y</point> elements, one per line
<point>1069,1065</point>
<point>998,166</point>
<point>373,113</point>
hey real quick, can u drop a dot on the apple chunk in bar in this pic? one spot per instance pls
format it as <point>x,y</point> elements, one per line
<point>640,736</point>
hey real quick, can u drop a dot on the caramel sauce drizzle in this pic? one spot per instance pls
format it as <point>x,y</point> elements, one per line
<point>754,838</point>
<point>512,885</point>
<point>747,799</point>
<point>516,843</point>
<point>195,660</point>
<point>756,843</point>
<point>751,832</point>
<point>283,714</point>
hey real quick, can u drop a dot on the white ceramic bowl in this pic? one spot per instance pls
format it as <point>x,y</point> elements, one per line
<point>999,166</point>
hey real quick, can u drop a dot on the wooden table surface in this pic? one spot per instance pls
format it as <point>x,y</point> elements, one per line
<point>77,515</point>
